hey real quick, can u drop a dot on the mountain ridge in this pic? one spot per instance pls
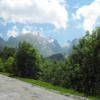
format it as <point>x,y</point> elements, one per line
<point>46,46</point>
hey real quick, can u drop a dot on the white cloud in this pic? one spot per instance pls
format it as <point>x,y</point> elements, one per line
<point>35,11</point>
<point>89,13</point>
<point>27,30</point>
<point>13,32</point>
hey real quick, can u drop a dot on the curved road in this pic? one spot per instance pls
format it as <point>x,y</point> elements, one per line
<point>13,89</point>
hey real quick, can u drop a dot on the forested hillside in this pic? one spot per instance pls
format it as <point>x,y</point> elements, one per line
<point>79,71</point>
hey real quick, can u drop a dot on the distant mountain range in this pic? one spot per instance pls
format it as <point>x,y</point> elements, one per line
<point>46,46</point>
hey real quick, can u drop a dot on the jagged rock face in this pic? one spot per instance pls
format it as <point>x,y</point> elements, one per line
<point>47,46</point>
<point>2,42</point>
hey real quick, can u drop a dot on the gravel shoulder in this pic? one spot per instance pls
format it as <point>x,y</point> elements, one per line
<point>13,89</point>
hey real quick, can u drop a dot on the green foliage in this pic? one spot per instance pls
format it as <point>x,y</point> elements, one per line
<point>51,86</point>
<point>86,58</point>
<point>1,65</point>
<point>27,61</point>
<point>54,72</point>
<point>7,52</point>
<point>9,64</point>
<point>79,71</point>
<point>7,59</point>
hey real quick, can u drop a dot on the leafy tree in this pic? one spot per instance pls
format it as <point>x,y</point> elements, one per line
<point>55,72</point>
<point>9,64</point>
<point>27,61</point>
<point>7,52</point>
<point>1,65</point>
<point>79,71</point>
<point>86,58</point>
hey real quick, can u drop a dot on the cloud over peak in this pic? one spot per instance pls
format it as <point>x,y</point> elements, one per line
<point>35,11</point>
<point>89,13</point>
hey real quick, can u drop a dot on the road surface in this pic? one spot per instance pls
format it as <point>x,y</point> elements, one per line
<point>13,89</point>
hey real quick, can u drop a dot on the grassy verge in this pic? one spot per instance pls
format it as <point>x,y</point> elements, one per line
<point>56,88</point>
<point>94,98</point>
<point>50,86</point>
<point>46,85</point>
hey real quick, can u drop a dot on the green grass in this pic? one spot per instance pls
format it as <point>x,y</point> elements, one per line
<point>50,86</point>
<point>53,87</point>
<point>94,98</point>
<point>47,85</point>
<point>56,88</point>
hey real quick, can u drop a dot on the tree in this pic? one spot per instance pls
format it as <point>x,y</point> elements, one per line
<point>27,60</point>
<point>7,52</point>
<point>86,58</point>
<point>55,72</point>
<point>9,64</point>
<point>1,65</point>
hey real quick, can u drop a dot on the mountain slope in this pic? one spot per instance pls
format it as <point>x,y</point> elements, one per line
<point>45,45</point>
<point>2,42</point>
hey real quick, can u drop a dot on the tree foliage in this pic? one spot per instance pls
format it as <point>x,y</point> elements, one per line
<point>79,71</point>
<point>1,65</point>
<point>85,62</point>
<point>27,60</point>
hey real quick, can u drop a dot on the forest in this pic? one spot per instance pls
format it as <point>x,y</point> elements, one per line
<point>79,71</point>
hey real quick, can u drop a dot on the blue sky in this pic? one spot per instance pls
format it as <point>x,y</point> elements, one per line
<point>62,20</point>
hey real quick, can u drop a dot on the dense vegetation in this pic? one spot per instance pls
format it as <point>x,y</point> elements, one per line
<point>79,71</point>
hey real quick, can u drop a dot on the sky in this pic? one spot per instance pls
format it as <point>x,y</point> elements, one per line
<point>62,20</point>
